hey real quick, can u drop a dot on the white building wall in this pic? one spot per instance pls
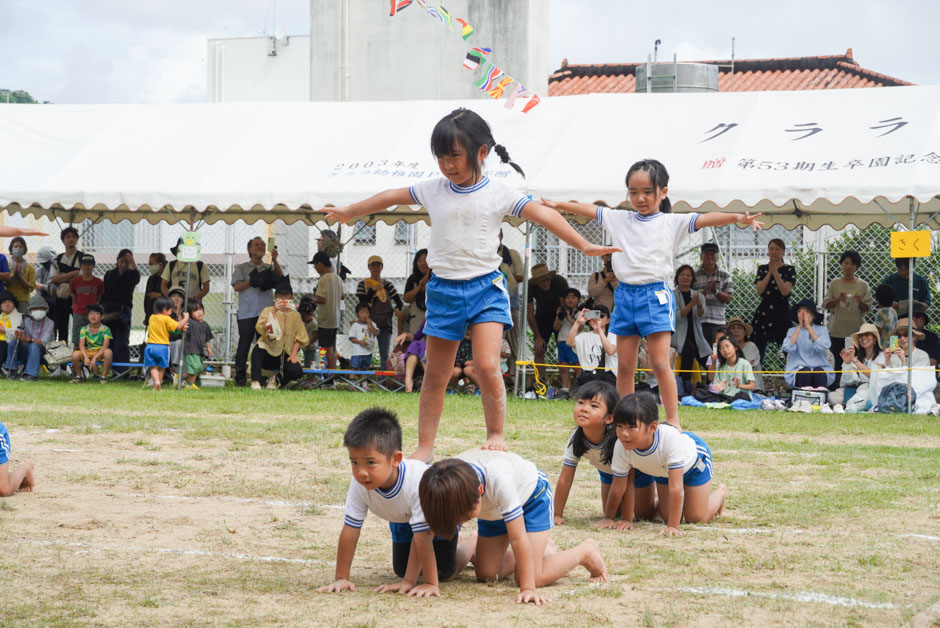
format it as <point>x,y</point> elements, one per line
<point>359,52</point>
<point>258,69</point>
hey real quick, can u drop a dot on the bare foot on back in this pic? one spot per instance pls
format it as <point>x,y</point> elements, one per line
<point>495,443</point>
<point>594,562</point>
<point>422,454</point>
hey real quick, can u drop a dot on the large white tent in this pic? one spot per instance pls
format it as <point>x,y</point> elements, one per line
<point>803,158</point>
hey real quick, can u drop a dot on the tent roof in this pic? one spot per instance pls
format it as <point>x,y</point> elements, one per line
<point>803,158</point>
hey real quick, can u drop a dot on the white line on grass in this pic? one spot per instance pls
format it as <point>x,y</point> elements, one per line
<point>802,596</point>
<point>236,500</point>
<point>785,531</point>
<point>88,548</point>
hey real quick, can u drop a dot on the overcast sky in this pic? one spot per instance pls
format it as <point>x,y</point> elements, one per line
<point>154,51</point>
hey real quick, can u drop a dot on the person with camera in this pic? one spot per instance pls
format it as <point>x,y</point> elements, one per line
<point>567,313</point>
<point>602,284</point>
<point>596,349</point>
<point>254,281</point>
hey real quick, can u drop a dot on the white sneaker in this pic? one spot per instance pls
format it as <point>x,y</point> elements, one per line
<point>256,385</point>
<point>780,404</point>
<point>934,410</point>
<point>272,383</point>
<point>838,409</point>
<point>767,404</point>
<point>796,406</point>
<point>825,409</point>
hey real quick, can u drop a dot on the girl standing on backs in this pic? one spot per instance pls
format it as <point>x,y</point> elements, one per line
<point>466,287</point>
<point>644,304</point>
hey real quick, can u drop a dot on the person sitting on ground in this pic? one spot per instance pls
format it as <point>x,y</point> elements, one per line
<point>362,335</point>
<point>930,343</point>
<point>197,343</point>
<point>741,332</point>
<point>12,481</point>
<point>10,320</point>
<point>281,335</point>
<point>733,376</point>
<point>567,313</point>
<point>885,316</point>
<point>463,365</point>
<point>858,360</point>
<point>414,354</point>
<point>512,502</point>
<point>595,348</point>
<point>386,484</point>
<point>157,351</point>
<point>806,346</point>
<point>30,342</point>
<point>94,344</point>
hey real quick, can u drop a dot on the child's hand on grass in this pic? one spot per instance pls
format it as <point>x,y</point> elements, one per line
<point>529,596</point>
<point>338,585</point>
<point>425,590</point>
<point>399,587</point>
<point>623,524</point>
<point>671,531</point>
<point>604,524</point>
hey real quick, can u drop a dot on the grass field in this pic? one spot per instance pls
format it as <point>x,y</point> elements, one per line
<point>224,506</point>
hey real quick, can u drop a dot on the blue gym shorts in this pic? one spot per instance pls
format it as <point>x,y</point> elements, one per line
<point>566,354</point>
<point>452,305</point>
<point>157,355</point>
<point>640,479</point>
<point>641,310</point>
<point>401,532</point>
<point>701,472</point>
<point>538,512</point>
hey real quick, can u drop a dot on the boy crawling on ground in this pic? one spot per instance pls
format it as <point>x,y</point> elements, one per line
<point>12,481</point>
<point>387,485</point>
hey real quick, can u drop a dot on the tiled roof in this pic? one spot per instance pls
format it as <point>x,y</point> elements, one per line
<point>750,75</point>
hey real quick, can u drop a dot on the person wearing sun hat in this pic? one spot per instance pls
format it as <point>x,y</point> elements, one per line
<point>858,360</point>
<point>806,345</point>
<point>930,342</point>
<point>923,378</point>
<point>741,332</point>
<point>384,304</point>
<point>546,292</point>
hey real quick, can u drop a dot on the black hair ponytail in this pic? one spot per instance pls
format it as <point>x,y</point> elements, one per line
<point>466,129</point>
<point>658,176</point>
<point>503,154</point>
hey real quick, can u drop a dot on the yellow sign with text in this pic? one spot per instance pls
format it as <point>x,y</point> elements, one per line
<point>910,244</point>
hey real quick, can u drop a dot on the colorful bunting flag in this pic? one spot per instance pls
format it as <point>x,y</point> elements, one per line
<point>516,92</point>
<point>398,5</point>
<point>435,13</point>
<point>483,51</point>
<point>497,91</point>
<point>445,17</point>
<point>471,61</point>
<point>532,103</point>
<point>489,77</point>
<point>467,29</point>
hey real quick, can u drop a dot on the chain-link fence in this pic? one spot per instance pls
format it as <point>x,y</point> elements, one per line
<point>814,255</point>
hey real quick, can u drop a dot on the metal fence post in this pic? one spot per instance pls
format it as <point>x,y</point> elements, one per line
<point>524,314</point>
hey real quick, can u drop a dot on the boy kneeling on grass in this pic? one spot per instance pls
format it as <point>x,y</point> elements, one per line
<point>12,481</point>
<point>512,502</point>
<point>387,485</point>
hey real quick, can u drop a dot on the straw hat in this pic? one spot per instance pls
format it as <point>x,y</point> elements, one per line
<point>540,273</point>
<point>737,320</point>
<point>867,328</point>
<point>904,323</point>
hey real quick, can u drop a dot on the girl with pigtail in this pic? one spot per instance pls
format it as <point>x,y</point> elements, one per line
<point>466,287</point>
<point>649,237</point>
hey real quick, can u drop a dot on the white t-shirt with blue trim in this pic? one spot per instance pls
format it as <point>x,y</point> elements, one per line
<point>593,454</point>
<point>648,243</point>
<point>465,224</point>
<point>671,449</point>
<point>508,482</point>
<point>399,504</point>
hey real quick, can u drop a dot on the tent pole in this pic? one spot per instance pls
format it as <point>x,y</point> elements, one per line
<point>821,253</point>
<point>524,314</point>
<point>228,301</point>
<point>910,315</point>
<point>181,365</point>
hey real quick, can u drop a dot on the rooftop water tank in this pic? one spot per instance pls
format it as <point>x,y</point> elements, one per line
<point>690,77</point>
